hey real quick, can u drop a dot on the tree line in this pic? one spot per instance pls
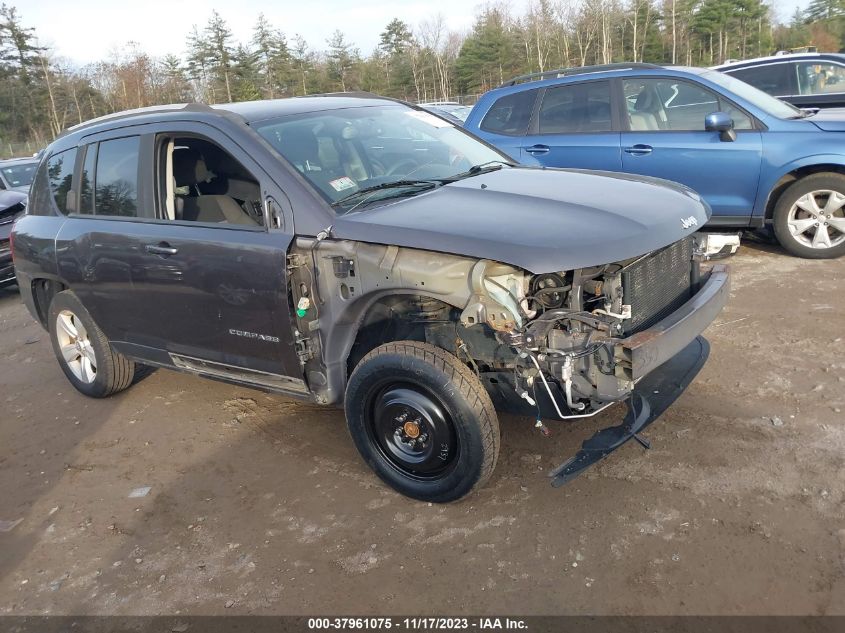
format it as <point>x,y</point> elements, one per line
<point>42,94</point>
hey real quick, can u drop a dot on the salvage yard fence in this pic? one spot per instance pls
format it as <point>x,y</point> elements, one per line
<point>18,150</point>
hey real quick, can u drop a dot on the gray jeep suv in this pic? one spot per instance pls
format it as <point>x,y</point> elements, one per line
<point>363,252</point>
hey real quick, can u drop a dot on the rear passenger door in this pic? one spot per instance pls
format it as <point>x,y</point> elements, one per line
<point>180,263</point>
<point>575,126</point>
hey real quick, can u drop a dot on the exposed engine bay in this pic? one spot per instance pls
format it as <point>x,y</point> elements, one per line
<point>549,341</point>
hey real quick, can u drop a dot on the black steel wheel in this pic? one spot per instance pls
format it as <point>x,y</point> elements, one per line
<point>422,421</point>
<point>412,430</point>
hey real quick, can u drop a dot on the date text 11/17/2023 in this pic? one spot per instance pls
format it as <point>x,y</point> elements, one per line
<point>416,623</point>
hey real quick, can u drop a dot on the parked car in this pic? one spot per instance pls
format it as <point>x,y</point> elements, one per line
<point>806,80</point>
<point>16,173</point>
<point>756,160</point>
<point>12,206</point>
<point>364,252</point>
<point>450,110</point>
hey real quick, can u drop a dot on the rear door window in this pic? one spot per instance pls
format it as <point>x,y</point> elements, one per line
<point>60,177</point>
<point>116,179</point>
<point>510,114</point>
<point>576,108</point>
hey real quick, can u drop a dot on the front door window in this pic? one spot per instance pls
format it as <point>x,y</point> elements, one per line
<point>670,104</point>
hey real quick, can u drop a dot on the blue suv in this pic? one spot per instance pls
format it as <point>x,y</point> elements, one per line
<point>756,160</point>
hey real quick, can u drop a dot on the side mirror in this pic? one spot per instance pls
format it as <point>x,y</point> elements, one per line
<point>722,123</point>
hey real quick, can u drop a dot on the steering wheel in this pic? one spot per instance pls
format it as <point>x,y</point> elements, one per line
<point>397,168</point>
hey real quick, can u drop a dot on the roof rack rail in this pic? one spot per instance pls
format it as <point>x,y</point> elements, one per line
<point>577,70</point>
<point>123,114</point>
<point>363,94</point>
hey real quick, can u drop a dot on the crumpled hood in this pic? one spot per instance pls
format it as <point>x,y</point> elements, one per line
<point>829,119</point>
<point>541,220</point>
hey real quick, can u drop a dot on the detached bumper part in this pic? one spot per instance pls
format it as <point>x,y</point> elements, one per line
<point>653,395</point>
<point>716,245</point>
<point>663,360</point>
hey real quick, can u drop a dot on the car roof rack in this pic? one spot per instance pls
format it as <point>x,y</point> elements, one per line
<point>578,70</point>
<point>360,94</point>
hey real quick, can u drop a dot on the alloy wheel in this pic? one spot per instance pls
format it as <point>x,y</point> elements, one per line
<point>77,351</point>
<point>817,219</point>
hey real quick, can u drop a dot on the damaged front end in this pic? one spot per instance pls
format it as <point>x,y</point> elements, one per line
<point>588,338</point>
<point>556,345</point>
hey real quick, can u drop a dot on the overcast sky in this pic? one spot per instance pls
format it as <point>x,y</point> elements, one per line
<point>86,30</point>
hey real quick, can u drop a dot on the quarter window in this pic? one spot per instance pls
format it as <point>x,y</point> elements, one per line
<point>116,180</point>
<point>576,108</point>
<point>60,177</point>
<point>510,114</point>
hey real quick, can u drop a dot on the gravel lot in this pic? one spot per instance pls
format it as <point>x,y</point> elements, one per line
<point>261,505</point>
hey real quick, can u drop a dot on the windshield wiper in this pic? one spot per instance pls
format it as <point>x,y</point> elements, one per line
<point>490,165</point>
<point>370,191</point>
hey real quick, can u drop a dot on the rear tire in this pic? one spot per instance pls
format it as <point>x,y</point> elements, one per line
<point>83,351</point>
<point>422,421</point>
<point>809,217</point>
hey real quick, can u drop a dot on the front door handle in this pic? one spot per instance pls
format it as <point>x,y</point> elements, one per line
<point>639,149</point>
<point>537,149</point>
<point>162,248</point>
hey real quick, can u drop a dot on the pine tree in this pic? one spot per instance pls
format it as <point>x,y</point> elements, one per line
<point>219,51</point>
<point>340,58</point>
<point>273,58</point>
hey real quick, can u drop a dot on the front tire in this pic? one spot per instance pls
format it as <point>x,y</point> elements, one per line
<point>84,352</point>
<point>809,218</point>
<point>422,421</point>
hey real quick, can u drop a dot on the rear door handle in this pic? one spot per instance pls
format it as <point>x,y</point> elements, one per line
<point>639,149</point>
<point>537,149</point>
<point>162,248</point>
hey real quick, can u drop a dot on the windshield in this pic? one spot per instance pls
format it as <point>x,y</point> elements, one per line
<point>19,175</point>
<point>758,98</point>
<point>343,151</point>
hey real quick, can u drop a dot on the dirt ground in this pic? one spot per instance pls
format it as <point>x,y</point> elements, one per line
<point>260,505</point>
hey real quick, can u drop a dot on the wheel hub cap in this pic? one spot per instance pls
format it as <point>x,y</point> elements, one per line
<point>411,429</point>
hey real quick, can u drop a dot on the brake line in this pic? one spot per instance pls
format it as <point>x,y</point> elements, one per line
<point>554,401</point>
